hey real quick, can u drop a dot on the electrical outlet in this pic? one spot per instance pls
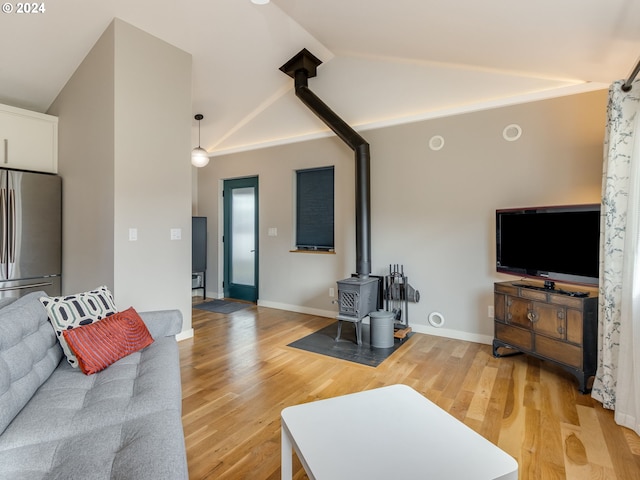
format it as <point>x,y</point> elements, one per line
<point>332,292</point>
<point>490,311</point>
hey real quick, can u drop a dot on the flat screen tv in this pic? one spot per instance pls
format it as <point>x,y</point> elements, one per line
<point>559,243</point>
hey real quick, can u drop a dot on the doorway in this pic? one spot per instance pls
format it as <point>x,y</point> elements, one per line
<point>240,238</point>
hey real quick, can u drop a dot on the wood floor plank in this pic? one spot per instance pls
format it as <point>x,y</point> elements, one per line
<point>625,464</point>
<point>480,401</point>
<point>633,441</point>
<point>238,374</point>
<point>594,443</point>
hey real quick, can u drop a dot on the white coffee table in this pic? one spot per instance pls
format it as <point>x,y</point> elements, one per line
<point>387,433</point>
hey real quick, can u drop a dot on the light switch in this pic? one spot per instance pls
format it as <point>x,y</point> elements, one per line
<point>273,232</point>
<point>133,234</point>
<point>176,234</point>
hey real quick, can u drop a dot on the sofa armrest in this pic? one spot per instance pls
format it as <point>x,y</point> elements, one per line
<point>162,323</point>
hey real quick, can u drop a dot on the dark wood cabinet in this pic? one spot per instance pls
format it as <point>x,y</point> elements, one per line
<point>548,324</point>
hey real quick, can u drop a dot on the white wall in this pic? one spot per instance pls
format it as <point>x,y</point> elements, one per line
<point>147,144</point>
<point>433,212</point>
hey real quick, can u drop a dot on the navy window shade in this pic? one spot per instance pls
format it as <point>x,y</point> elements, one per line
<point>314,209</point>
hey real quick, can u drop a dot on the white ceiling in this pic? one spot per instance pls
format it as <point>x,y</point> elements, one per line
<point>384,61</point>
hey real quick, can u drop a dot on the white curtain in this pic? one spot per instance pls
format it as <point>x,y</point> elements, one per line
<point>617,382</point>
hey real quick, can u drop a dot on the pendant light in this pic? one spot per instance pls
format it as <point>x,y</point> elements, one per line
<point>199,156</point>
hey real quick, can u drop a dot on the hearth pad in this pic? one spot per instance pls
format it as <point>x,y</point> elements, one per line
<point>323,342</point>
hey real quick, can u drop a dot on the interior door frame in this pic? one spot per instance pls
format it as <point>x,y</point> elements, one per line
<point>231,290</point>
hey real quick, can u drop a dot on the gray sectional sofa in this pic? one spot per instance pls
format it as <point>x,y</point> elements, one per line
<point>58,423</point>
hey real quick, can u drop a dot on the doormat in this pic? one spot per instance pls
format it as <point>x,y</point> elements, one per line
<point>324,342</point>
<point>222,306</point>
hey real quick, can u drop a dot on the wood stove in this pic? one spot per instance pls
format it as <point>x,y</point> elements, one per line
<point>357,297</point>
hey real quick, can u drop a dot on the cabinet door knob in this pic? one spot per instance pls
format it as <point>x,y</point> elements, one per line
<point>560,330</point>
<point>532,317</point>
<point>561,314</point>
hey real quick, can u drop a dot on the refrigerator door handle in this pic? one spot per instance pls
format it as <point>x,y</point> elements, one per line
<point>3,240</point>
<point>23,287</point>
<point>12,227</point>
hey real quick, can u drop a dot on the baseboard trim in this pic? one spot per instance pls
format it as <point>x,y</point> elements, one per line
<point>298,309</point>
<point>184,335</point>
<point>453,334</point>
<point>427,330</point>
<point>214,295</point>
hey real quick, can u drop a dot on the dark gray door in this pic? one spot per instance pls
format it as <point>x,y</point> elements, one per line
<point>241,238</point>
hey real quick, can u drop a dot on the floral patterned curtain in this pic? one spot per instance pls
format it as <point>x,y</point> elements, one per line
<point>617,382</point>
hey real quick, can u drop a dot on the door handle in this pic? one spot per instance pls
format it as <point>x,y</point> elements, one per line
<point>11,244</point>
<point>5,225</point>
<point>23,287</point>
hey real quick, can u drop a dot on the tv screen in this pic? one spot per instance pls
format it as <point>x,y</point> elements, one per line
<point>551,243</point>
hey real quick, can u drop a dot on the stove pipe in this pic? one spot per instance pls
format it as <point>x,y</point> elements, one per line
<point>302,67</point>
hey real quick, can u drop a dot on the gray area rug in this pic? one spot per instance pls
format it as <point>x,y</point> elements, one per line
<point>323,342</point>
<point>222,306</point>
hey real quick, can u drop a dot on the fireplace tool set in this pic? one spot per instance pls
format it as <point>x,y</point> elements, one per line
<point>397,295</point>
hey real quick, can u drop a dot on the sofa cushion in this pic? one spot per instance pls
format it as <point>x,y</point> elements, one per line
<point>29,353</point>
<point>98,345</point>
<point>7,301</point>
<point>150,448</point>
<point>72,311</point>
<point>123,422</point>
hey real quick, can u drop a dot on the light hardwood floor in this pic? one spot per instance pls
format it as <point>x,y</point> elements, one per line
<point>238,374</point>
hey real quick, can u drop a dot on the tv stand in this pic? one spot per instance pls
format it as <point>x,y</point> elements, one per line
<point>548,324</point>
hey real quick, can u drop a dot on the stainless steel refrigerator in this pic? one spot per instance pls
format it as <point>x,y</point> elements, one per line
<point>31,233</point>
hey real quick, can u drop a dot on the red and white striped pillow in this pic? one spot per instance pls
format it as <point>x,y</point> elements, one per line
<point>98,345</point>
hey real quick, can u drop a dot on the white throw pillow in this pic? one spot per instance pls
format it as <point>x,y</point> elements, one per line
<point>71,311</point>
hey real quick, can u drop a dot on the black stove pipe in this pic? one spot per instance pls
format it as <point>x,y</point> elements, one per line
<point>302,67</point>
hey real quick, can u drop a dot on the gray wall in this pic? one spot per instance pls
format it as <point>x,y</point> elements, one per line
<point>432,211</point>
<point>125,122</point>
<point>85,163</point>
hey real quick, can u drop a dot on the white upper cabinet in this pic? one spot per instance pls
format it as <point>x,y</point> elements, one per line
<point>28,140</point>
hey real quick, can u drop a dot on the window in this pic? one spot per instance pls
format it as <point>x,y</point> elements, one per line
<point>314,209</point>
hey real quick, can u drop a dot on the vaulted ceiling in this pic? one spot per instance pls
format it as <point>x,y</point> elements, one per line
<point>385,61</point>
